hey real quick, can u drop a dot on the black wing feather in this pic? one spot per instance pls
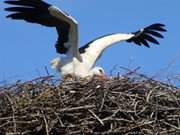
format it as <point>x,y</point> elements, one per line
<point>148,34</point>
<point>143,41</point>
<point>157,27</point>
<point>37,11</point>
<point>62,38</point>
<point>150,39</point>
<point>154,33</point>
<point>137,41</point>
<point>32,3</point>
<point>19,9</point>
<point>34,11</point>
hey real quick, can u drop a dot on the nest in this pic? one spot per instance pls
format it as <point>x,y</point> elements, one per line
<point>128,105</point>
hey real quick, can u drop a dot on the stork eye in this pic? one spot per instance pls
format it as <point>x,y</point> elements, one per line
<point>100,70</point>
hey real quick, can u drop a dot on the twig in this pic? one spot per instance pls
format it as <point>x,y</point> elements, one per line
<point>96,117</point>
<point>77,108</point>
<point>46,125</point>
<point>177,128</point>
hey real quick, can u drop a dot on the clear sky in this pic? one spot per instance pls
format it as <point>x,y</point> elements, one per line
<point>26,49</point>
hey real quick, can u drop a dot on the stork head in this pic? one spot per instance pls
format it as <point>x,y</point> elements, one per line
<point>55,64</point>
<point>98,72</point>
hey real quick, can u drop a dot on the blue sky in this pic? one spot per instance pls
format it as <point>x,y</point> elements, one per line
<point>26,49</point>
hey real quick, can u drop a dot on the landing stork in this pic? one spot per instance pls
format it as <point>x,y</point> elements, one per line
<point>78,62</point>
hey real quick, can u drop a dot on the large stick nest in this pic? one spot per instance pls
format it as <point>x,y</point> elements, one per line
<point>128,105</point>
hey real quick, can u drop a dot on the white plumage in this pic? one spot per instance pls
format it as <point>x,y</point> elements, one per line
<point>83,67</point>
<point>76,61</point>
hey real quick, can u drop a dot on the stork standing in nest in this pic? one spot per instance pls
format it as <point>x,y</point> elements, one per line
<point>76,61</point>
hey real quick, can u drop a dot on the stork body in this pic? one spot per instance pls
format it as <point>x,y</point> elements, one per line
<point>89,54</point>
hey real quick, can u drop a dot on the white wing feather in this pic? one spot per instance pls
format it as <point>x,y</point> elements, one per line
<point>96,48</point>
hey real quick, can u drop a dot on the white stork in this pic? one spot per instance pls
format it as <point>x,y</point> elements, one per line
<point>78,62</point>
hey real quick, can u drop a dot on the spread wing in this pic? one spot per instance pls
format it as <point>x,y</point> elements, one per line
<point>40,12</point>
<point>93,50</point>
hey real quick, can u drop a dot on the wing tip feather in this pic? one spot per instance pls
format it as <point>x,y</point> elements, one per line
<point>148,35</point>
